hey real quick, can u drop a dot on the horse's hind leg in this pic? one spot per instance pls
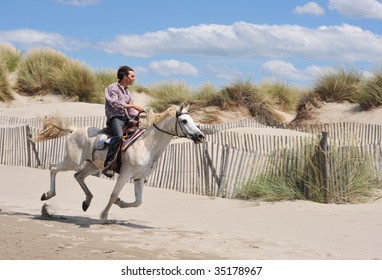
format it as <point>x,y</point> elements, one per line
<point>54,169</point>
<point>88,169</point>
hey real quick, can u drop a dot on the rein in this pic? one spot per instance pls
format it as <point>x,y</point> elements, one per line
<point>176,127</point>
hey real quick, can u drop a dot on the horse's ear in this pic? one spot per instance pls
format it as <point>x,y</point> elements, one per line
<point>184,108</point>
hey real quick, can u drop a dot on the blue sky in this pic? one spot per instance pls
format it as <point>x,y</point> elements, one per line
<point>201,41</point>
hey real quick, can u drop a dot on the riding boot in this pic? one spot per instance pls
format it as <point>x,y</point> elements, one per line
<point>111,153</point>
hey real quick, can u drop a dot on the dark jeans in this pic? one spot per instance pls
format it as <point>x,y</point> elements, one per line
<point>116,125</point>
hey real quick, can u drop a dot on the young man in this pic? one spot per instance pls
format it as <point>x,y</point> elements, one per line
<point>119,108</point>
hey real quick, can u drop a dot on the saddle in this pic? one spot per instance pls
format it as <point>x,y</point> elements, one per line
<point>131,132</point>
<point>130,126</point>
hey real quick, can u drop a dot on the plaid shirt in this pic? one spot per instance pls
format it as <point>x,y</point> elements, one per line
<point>115,98</point>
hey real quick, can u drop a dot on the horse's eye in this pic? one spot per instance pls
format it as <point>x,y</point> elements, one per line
<point>184,121</point>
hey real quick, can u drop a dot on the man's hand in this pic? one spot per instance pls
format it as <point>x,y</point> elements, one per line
<point>134,106</point>
<point>138,108</point>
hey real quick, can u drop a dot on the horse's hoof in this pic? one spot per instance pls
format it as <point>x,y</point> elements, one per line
<point>109,222</point>
<point>85,206</point>
<point>43,197</point>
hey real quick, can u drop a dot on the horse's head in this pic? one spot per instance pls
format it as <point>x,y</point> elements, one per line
<point>188,126</point>
<point>176,121</point>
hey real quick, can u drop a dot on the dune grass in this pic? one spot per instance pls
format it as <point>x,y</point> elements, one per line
<point>237,95</point>
<point>9,60</point>
<point>168,93</point>
<point>105,77</point>
<point>259,104</point>
<point>76,80</point>
<point>283,96</point>
<point>306,108</point>
<point>352,179</point>
<point>204,95</point>
<point>9,56</point>
<point>371,92</point>
<point>35,71</point>
<point>338,85</point>
<point>5,88</point>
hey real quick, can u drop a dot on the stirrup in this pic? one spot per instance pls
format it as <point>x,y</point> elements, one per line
<point>108,173</point>
<point>108,170</point>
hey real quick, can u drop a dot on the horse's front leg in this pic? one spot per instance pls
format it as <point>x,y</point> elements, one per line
<point>138,189</point>
<point>121,181</point>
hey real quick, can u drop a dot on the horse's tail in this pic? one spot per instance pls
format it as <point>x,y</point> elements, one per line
<point>52,127</point>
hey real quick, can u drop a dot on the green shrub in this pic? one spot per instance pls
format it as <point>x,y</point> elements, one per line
<point>371,95</point>
<point>10,56</point>
<point>35,71</point>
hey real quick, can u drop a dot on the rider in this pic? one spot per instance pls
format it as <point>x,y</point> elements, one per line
<point>119,108</point>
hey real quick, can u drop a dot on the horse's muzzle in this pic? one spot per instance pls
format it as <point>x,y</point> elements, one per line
<point>198,138</point>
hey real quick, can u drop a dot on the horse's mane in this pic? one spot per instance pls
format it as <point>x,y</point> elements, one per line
<point>153,117</point>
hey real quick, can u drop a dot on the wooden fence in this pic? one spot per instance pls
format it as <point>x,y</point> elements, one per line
<point>219,167</point>
<point>350,131</point>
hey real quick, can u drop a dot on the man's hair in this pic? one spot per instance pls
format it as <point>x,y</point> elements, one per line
<point>122,71</point>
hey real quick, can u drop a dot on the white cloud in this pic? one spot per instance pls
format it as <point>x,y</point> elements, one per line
<point>29,38</point>
<point>287,71</point>
<point>140,70</point>
<point>226,72</point>
<point>79,3</point>
<point>310,8</point>
<point>358,8</point>
<point>367,74</point>
<point>279,68</point>
<point>168,68</point>
<point>314,71</point>
<point>246,40</point>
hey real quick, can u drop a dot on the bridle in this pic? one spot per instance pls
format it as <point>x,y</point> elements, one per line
<point>178,114</point>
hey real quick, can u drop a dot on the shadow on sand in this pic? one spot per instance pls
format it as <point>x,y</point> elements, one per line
<point>82,222</point>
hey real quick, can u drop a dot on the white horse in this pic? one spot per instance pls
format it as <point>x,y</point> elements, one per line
<point>138,160</point>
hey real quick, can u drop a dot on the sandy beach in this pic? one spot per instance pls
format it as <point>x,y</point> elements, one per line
<point>173,225</point>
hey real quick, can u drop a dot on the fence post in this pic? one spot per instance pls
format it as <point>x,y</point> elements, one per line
<point>222,191</point>
<point>29,137</point>
<point>31,144</point>
<point>206,169</point>
<point>325,164</point>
